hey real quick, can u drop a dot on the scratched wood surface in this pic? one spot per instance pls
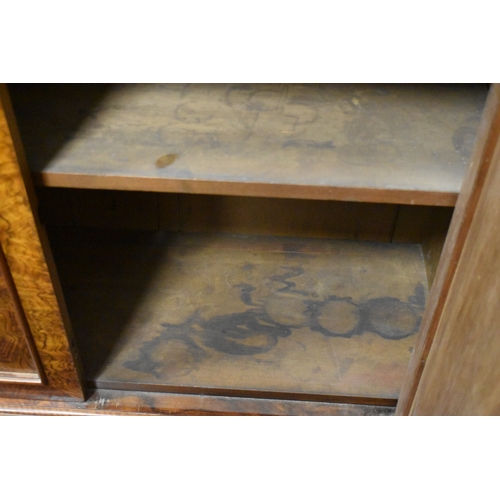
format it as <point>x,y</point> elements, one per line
<point>16,361</point>
<point>380,143</point>
<point>221,313</point>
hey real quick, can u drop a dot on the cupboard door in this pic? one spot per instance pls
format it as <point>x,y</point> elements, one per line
<point>35,331</point>
<point>462,371</point>
<point>455,361</point>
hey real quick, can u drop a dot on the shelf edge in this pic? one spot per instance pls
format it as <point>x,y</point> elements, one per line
<point>241,393</point>
<point>250,189</point>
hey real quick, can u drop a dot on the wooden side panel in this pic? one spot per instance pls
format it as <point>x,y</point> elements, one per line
<point>463,369</point>
<point>28,264</point>
<point>474,183</point>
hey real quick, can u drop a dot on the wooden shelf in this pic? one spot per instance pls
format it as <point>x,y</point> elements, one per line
<point>242,315</point>
<point>378,143</point>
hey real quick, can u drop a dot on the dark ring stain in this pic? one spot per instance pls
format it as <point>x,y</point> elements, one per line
<point>254,331</point>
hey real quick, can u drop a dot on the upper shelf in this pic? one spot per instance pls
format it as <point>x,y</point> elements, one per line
<point>378,143</point>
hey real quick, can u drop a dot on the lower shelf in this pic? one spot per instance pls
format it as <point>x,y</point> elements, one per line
<point>236,315</point>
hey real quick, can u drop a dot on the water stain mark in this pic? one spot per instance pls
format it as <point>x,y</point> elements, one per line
<point>463,140</point>
<point>193,113</point>
<point>166,160</point>
<point>258,329</point>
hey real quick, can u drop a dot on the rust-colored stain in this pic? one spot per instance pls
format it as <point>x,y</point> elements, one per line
<point>166,160</point>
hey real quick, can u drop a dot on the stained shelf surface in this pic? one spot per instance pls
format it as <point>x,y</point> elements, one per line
<point>380,143</point>
<point>267,316</point>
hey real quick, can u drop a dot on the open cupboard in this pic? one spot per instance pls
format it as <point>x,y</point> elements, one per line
<point>238,248</point>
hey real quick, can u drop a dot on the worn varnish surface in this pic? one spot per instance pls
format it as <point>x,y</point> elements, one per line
<point>275,315</point>
<point>28,260</point>
<point>16,361</point>
<point>380,143</point>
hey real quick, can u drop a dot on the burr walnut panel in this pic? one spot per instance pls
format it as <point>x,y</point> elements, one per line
<point>28,258</point>
<point>16,360</point>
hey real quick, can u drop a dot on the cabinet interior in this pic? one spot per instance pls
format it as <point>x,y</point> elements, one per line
<point>260,240</point>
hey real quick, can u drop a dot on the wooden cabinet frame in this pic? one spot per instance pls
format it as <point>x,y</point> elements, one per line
<point>433,384</point>
<point>28,257</point>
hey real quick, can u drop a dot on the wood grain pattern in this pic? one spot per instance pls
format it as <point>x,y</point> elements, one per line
<point>224,314</point>
<point>487,141</point>
<point>462,371</point>
<point>106,402</point>
<point>378,143</point>
<point>16,359</point>
<point>21,242</point>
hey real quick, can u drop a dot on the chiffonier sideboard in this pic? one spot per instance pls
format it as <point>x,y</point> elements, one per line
<point>249,249</point>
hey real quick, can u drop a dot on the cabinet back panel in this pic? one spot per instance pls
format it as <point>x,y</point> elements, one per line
<point>282,217</point>
<point>219,214</point>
